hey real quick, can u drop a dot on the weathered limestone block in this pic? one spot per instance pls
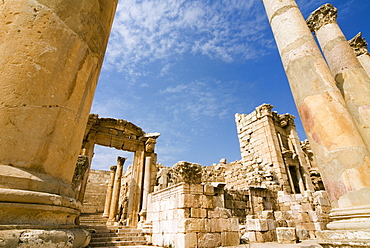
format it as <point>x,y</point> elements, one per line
<point>286,235</point>
<point>198,213</point>
<point>229,238</point>
<point>209,240</point>
<point>188,240</point>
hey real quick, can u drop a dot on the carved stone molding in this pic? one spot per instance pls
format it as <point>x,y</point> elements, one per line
<point>359,44</point>
<point>326,14</point>
<point>264,110</point>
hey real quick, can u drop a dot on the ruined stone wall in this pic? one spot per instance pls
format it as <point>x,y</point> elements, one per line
<point>96,190</point>
<point>191,215</point>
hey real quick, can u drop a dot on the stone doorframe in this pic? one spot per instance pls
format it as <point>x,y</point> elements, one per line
<point>126,136</point>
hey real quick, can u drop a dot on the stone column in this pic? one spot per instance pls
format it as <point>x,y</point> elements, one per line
<point>134,199</point>
<point>146,187</point>
<point>359,46</point>
<point>108,197</point>
<point>116,190</point>
<point>350,76</point>
<point>340,151</point>
<point>51,55</point>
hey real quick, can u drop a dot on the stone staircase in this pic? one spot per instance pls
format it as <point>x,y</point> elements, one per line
<point>110,236</point>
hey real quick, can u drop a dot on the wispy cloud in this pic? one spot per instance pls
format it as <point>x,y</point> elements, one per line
<point>151,30</point>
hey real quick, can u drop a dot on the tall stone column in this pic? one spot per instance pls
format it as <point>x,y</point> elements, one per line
<point>359,46</point>
<point>51,55</point>
<point>108,197</point>
<point>116,190</point>
<point>134,199</point>
<point>340,151</point>
<point>350,76</point>
<point>146,187</point>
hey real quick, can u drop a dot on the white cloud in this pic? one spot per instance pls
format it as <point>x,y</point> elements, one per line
<point>151,30</point>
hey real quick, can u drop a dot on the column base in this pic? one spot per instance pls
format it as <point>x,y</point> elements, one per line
<point>343,238</point>
<point>48,238</point>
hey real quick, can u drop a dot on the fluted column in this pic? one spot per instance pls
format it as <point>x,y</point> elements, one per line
<point>350,76</point>
<point>116,190</point>
<point>108,197</point>
<point>340,151</point>
<point>359,46</point>
<point>51,54</point>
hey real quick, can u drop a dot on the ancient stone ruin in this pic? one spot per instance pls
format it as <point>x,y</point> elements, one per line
<point>282,190</point>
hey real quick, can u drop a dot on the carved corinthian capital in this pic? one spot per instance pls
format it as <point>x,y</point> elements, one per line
<point>359,44</point>
<point>121,160</point>
<point>326,14</point>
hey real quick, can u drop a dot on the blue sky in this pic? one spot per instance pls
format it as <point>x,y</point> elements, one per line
<point>183,68</point>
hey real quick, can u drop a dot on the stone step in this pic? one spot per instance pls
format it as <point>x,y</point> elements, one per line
<point>119,238</point>
<point>116,243</point>
<point>128,234</point>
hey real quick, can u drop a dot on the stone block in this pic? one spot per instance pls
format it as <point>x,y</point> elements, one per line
<point>206,201</point>
<point>196,189</point>
<point>230,238</point>
<point>282,215</point>
<point>257,225</point>
<point>188,240</point>
<point>268,214</point>
<point>319,226</point>
<point>271,224</point>
<point>182,213</point>
<point>189,201</point>
<point>208,189</point>
<point>219,225</point>
<point>250,236</point>
<point>286,235</point>
<point>194,225</point>
<point>209,240</point>
<point>233,225</point>
<point>198,213</point>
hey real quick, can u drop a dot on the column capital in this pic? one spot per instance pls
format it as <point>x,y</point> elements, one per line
<point>113,168</point>
<point>358,44</point>
<point>121,160</point>
<point>264,110</point>
<point>325,14</point>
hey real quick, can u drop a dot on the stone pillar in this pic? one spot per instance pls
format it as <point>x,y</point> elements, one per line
<point>359,46</point>
<point>350,76</point>
<point>146,187</point>
<point>51,54</point>
<point>116,190</point>
<point>134,199</point>
<point>81,172</point>
<point>340,151</point>
<point>108,197</point>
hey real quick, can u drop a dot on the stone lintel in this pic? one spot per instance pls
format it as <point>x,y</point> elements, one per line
<point>322,16</point>
<point>359,45</point>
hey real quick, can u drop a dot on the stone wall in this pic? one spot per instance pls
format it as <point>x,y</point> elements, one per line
<point>191,215</point>
<point>96,190</point>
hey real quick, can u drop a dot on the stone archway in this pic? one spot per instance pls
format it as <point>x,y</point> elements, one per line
<point>126,136</point>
